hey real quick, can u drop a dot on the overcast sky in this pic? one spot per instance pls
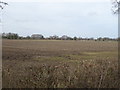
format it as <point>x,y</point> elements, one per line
<point>82,18</point>
<point>53,1</point>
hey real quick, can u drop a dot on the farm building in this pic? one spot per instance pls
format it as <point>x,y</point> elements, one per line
<point>37,36</point>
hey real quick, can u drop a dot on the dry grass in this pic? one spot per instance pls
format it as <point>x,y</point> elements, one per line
<point>60,64</point>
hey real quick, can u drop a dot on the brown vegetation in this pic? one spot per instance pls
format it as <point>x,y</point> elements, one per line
<point>60,64</point>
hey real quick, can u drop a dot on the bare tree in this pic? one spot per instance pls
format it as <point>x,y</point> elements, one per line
<point>3,4</point>
<point>116,6</point>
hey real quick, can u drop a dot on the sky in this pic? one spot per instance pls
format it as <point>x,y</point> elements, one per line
<point>81,18</point>
<point>53,1</point>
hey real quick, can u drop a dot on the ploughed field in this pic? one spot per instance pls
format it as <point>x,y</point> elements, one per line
<point>60,64</point>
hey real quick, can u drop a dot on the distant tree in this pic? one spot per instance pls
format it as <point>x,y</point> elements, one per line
<point>70,38</point>
<point>106,39</point>
<point>91,38</point>
<point>99,39</point>
<point>15,36</point>
<point>75,38</point>
<point>20,37</point>
<point>80,38</point>
<point>10,36</point>
<point>55,37</point>
<point>4,35</point>
<point>28,37</point>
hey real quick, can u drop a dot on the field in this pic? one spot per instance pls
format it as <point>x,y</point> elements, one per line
<point>60,64</point>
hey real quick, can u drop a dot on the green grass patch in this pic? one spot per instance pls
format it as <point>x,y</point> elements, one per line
<point>76,58</point>
<point>51,58</point>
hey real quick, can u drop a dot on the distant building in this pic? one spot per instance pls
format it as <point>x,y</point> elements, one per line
<point>64,37</point>
<point>37,36</point>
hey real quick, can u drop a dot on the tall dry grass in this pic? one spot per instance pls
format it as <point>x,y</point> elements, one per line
<point>87,74</point>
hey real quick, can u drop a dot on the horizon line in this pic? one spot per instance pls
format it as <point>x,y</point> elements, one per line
<point>80,36</point>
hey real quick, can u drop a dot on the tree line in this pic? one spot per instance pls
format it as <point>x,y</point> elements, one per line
<point>54,37</point>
